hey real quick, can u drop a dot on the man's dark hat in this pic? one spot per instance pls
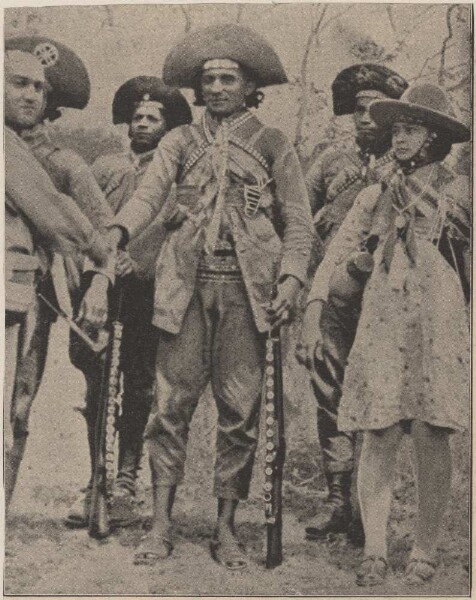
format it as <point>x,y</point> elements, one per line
<point>426,104</point>
<point>185,61</point>
<point>176,109</point>
<point>64,70</point>
<point>359,78</point>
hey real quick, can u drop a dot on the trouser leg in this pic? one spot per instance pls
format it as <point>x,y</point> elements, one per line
<point>12,345</point>
<point>182,373</point>
<point>338,325</point>
<point>31,353</point>
<point>237,367</point>
<point>31,366</point>
<point>138,352</point>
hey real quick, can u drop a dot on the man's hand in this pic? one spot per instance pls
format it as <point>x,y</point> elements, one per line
<point>124,264</point>
<point>93,310</point>
<point>174,220</point>
<point>311,343</point>
<point>114,236</point>
<point>279,309</point>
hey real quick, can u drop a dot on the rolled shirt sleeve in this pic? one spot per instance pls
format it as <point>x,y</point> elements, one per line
<point>55,216</point>
<point>354,230</point>
<point>87,194</point>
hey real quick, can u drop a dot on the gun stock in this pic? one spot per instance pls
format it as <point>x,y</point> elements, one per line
<point>275,449</point>
<point>103,473</point>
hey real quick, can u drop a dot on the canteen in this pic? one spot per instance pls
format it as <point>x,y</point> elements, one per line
<point>348,280</point>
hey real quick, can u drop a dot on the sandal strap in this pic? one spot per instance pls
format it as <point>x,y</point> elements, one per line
<point>423,561</point>
<point>374,558</point>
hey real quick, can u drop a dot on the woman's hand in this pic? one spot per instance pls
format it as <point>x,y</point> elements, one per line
<point>124,264</point>
<point>311,343</point>
<point>114,237</point>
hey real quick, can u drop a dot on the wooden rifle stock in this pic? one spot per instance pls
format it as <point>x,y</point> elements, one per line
<point>105,433</point>
<point>275,448</point>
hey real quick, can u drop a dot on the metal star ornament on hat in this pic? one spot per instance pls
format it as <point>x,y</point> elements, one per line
<point>425,104</point>
<point>185,62</point>
<point>356,79</point>
<point>143,89</point>
<point>64,70</point>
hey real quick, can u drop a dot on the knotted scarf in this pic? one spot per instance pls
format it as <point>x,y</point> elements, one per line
<point>408,195</point>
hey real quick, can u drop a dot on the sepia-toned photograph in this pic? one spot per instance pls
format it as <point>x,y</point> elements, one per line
<point>237,299</point>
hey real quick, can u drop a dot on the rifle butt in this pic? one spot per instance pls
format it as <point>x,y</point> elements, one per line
<point>274,554</point>
<point>99,526</point>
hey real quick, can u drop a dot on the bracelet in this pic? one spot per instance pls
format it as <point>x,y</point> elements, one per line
<point>315,300</point>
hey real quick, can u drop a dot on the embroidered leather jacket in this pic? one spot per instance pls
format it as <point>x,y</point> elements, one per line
<point>272,236</point>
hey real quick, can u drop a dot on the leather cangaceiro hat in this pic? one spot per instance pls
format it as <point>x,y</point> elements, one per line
<point>426,104</point>
<point>361,77</point>
<point>142,88</point>
<point>64,70</point>
<point>185,61</point>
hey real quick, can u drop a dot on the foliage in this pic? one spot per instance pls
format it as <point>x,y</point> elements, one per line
<point>314,41</point>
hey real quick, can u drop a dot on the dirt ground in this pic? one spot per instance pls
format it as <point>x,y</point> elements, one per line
<point>44,557</point>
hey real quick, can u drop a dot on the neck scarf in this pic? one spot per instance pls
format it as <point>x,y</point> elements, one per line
<point>407,194</point>
<point>219,160</point>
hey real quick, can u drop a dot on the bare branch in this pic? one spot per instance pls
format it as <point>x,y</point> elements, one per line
<point>188,19</point>
<point>391,19</point>
<point>109,18</point>
<point>239,13</point>
<point>446,41</point>
<point>304,100</point>
<point>337,16</point>
<point>425,64</point>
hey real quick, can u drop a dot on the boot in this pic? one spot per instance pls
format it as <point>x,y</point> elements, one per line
<point>124,504</point>
<point>356,532</point>
<point>338,514</point>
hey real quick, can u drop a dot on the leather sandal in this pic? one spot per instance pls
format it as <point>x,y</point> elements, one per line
<point>372,571</point>
<point>230,555</point>
<point>419,571</point>
<point>153,548</point>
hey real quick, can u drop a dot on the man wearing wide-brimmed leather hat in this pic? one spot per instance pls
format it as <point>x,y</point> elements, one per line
<point>41,77</point>
<point>334,180</point>
<point>150,109</point>
<point>239,183</point>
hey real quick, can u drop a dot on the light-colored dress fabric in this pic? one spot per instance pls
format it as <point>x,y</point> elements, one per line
<point>410,358</point>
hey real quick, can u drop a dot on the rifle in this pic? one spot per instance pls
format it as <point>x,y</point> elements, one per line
<point>105,434</point>
<point>275,448</point>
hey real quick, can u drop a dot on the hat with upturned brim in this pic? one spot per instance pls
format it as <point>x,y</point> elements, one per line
<point>144,88</point>
<point>362,77</point>
<point>184,63</point>
<point>425,104</point>
<point>64,70</point>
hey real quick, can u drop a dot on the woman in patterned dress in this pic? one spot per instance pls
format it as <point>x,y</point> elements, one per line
<point>409,369</point>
